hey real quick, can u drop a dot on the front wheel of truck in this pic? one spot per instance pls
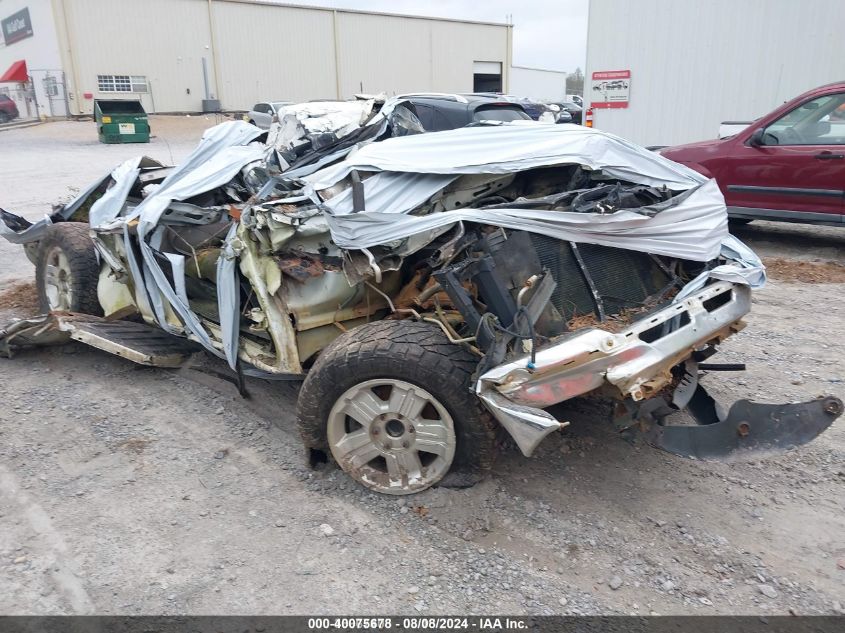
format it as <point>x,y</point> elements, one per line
<point>66,270</point>
<point>392,403</point>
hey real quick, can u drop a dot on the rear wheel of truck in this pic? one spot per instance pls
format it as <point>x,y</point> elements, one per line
<point>66,270</point>
<point>392,403</point>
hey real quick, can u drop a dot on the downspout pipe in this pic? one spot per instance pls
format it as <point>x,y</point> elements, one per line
<point>217,86</point>
<point>73,71</point>
<point>336,56</point>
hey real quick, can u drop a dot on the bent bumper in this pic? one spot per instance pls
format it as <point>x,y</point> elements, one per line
<point>637,361</point>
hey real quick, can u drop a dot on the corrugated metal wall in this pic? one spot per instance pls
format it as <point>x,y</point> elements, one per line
<point>382,53</point>
<point>267,52</point>
<point>695,63</point>
<point>399,54</point>
<point>534,83</point>
<point>160,39</point>
<point>454,48</point>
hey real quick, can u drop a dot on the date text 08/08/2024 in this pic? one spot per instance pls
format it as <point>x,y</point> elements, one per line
<point>418,624</point>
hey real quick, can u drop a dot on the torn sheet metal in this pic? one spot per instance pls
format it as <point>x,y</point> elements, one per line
<point>503,149</point>
<point>223,151</point>
<point>310,153</point>
<point>301,120</point>
<point>229,297</point>
<point>111,204</point>
<point>391,192</point>
<point>410,171</point>
<point>743,267</point>
<point>221,154</point>
<point>690,226</point>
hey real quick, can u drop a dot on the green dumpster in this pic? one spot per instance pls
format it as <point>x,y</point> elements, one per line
<point>121,121</point>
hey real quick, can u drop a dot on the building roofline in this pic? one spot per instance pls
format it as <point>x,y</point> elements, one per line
<point>544,70</point>
<point>294,5</point>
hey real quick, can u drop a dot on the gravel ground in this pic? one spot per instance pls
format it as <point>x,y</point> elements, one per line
<point>134,490</point>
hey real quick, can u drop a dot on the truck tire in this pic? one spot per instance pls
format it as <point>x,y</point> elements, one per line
<point>67,270</point>
<point>392,403</point>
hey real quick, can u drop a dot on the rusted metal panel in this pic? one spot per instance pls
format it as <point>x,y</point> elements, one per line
<point>299,267</point>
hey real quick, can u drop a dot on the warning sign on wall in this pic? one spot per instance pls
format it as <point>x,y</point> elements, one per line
<point>610,89</point>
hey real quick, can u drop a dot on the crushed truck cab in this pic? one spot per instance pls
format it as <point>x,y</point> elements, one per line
<point>426,288</point>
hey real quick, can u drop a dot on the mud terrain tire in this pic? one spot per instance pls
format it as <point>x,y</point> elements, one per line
<point>67,270</point>
<point>412,355</point>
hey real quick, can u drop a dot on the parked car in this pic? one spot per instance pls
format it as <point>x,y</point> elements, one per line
<point>576,99</point>
<point>575,111</point>
<point>262,114</point>
<point>561,115</point>
<point>438,112</point>
<point>8,109</point>
<point>432,291</point>
<point>534,109</point>
<point>788,165</point>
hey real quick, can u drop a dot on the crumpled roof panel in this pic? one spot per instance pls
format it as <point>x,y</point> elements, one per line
<point>507,148</point>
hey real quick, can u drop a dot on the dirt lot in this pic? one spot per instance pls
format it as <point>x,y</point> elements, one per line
<point>132,490</point>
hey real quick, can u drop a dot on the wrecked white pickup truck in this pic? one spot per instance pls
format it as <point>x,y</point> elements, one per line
<point>431,289</point>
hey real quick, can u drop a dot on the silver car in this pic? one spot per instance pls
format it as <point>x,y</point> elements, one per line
<point>262,113</point>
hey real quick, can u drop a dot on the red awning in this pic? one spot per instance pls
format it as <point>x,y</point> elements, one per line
<point>17,73</point>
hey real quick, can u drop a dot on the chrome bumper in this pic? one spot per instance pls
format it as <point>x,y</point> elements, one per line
<point>637,361</point>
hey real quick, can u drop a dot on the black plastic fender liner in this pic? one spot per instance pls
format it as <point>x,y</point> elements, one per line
<point>749,427</point>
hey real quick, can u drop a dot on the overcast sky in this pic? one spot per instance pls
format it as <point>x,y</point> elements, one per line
<point>548,34</point>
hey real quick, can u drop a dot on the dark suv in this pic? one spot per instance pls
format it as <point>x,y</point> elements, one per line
<point>438,112</point>
<point>8,109</point>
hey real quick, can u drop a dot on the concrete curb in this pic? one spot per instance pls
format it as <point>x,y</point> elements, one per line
<point>18,126</point>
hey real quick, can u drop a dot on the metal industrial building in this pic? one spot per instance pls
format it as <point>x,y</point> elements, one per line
<point>538,84</point>
<point>692,64</point>
<point>174,54</point>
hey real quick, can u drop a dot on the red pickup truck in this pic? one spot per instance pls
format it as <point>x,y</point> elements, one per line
<point>788,165</point>
<point>8,109</point>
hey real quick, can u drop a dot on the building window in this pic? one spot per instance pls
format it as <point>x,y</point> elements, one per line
<point>121,83</point>
<point>139,83</point>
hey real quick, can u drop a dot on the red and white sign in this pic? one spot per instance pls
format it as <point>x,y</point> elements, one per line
<point>610,89</point>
